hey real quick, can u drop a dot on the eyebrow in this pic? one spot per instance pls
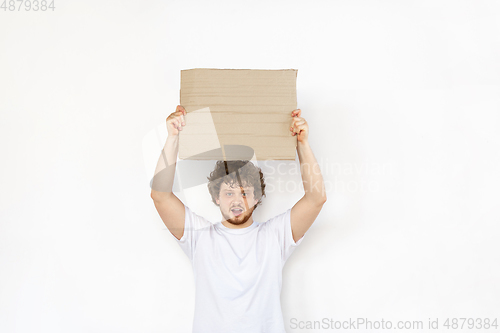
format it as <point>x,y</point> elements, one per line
<point>232,190</point>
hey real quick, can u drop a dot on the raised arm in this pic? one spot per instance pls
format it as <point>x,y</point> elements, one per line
<point>169,207</point>
<point>305,211</point>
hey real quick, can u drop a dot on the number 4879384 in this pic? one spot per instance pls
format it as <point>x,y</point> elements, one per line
<point>29,5</point>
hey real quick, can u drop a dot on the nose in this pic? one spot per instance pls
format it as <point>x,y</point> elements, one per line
<point>239,199</point>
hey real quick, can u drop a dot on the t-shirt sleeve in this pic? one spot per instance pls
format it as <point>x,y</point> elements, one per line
<point>282,228</point>
<point>194,226</point>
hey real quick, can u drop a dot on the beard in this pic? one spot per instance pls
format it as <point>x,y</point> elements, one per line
<point>240,219</point>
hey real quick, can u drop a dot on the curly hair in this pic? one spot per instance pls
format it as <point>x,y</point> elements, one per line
<point>242,173</point>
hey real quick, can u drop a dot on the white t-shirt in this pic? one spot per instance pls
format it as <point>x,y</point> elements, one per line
<point>238,273</point>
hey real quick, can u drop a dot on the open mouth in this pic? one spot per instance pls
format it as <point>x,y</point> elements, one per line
<point>237,211</point>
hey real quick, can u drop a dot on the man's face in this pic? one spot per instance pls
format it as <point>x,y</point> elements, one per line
<point>236,203</point>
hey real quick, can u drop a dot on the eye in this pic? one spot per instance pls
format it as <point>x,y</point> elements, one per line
<point>229,193</point>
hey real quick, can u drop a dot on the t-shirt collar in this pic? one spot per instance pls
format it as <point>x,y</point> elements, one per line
<point>236,231</point>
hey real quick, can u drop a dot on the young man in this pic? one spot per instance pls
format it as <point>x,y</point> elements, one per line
<point>237,262</point>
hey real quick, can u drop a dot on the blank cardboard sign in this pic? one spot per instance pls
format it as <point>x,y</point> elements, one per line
<point>233,114</point>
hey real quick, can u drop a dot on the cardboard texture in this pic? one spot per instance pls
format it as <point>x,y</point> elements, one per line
<point>233,114</point>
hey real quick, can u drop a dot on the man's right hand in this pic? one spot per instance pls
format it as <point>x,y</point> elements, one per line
<point>175,121</point>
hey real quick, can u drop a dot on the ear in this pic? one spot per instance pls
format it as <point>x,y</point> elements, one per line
<point>217,200</point>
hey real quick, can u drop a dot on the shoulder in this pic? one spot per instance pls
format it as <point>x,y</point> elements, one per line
<point>278,220</point>
<point>195,220</point>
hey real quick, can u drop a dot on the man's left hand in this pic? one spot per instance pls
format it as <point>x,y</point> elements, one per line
<point>299,126</point>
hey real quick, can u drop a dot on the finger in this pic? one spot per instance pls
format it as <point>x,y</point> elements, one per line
<point>297,123</point>
<point>184,113</point>
<point>174,115</point>
<point>296,113</point>
<point>295,120</point>
<point>178,123</point>
<point>180,110</point>
<point>301,128</point>
<point>179,115</point>
<point>175,123</point>
<point>298,129</point>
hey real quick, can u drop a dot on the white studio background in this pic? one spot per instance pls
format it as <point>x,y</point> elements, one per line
<point>403,103</point>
